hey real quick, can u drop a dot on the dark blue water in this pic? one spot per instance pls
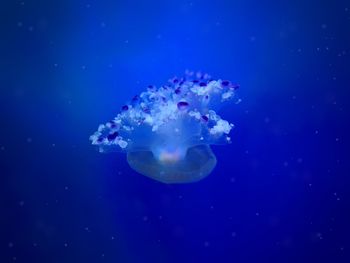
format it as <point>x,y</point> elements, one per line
<point>280,191</point>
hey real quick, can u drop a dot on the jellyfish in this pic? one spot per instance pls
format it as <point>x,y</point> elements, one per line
<point>166,132</point>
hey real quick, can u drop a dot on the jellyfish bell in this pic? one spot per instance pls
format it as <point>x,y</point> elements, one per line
<point>198,162</point>
<point>167,132</point>
<point>170,156</point>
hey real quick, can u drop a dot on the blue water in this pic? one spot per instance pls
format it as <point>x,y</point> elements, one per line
<point>279,192</point>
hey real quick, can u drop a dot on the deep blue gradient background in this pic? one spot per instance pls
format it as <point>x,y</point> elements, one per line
<point>280,191</point>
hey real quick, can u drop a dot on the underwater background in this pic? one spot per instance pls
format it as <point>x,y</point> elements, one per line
<point>279,192</point>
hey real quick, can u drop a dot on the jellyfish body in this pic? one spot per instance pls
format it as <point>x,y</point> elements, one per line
<point>167,132</point>
<point>198,162</point>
